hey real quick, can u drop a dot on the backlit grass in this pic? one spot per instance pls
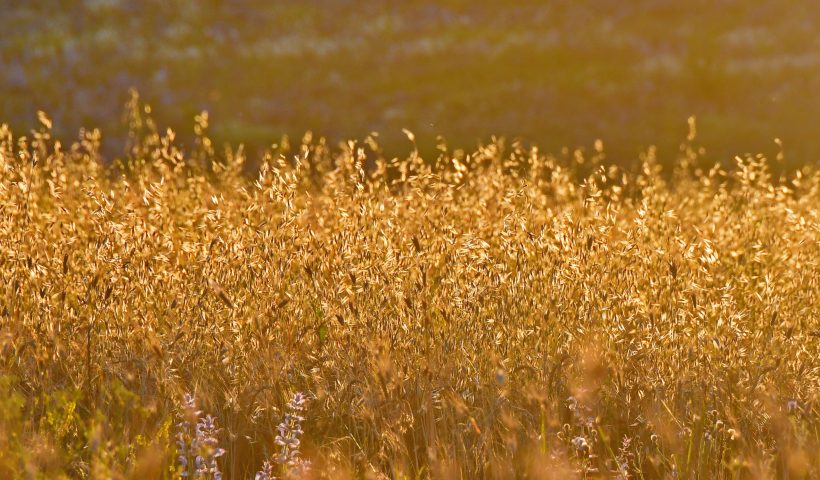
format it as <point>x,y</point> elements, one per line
<point>500,313</point>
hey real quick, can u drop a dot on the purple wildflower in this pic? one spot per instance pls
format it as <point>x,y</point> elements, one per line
<point>266,473</point>
<point>289,431</point>
<point>581,446</point>
<point>184,434</point>
<point>200,445</point>
<point>207,449</point>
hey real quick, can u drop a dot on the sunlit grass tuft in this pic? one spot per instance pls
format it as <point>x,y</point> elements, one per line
<point>489,314</point>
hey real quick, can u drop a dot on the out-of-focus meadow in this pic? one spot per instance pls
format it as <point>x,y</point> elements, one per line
<point>459,296</point>
<point>559,73</point>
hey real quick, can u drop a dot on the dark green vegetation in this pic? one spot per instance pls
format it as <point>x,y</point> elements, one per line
<point>559,73</point>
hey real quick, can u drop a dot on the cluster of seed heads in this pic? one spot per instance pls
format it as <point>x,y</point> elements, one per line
<point>440,309</point>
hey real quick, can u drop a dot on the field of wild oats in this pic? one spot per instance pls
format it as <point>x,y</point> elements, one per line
<point>331,313</point>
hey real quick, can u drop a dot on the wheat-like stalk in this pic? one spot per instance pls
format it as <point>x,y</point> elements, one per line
<point>494,314</point>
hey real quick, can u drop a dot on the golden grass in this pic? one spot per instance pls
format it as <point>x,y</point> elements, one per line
<point>500,314</point>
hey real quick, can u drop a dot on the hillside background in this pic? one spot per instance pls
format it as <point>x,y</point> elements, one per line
<point>559,73</point>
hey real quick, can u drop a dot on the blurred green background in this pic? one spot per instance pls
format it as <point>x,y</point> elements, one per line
<point>559,73</point>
